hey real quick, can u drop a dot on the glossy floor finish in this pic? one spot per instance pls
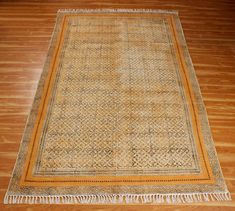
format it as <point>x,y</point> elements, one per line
<point>25,31</point>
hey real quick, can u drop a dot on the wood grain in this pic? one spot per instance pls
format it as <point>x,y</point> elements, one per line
<point>25,32</point>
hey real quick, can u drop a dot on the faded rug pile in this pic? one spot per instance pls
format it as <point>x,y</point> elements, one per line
<point>118,116</point>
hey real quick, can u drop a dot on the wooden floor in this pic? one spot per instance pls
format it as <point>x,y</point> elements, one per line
<point>25,31</point>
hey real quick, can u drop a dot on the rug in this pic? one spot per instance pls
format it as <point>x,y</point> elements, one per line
<point>118,116</point>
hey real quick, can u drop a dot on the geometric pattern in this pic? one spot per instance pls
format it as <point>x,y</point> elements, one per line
<point>118,103</point>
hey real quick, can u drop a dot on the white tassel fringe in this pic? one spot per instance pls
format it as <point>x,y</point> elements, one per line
<point>118,198</point>
<point>116,11</point>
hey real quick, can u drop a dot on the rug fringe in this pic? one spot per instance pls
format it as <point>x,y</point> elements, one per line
<point>118,198</point>
<point>116,11</point>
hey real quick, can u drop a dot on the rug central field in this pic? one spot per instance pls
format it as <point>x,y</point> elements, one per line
<point>118,116</point>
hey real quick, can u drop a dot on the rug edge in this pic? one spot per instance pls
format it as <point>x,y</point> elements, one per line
<point>206,127</point>
<point>32,106</point>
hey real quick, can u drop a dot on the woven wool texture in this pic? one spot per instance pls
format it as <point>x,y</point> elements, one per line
<point>118,116</point>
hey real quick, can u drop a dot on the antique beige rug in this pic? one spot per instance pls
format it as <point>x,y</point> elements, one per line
<point>118,116</point>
